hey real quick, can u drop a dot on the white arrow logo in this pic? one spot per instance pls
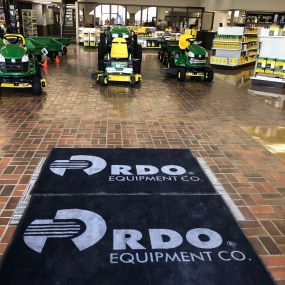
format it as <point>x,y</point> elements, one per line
<point>61,226</point>
<point>79,162</point>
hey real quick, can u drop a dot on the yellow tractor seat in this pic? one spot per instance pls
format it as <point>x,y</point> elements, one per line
<point>184,41</point>
<point>119,48</point>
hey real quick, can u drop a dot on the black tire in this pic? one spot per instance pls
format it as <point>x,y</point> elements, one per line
<point>159,55</point>
<point>39,58</point>
<point>38,69</point>
<point>101,50</point>
<point>52,55</point>
<point>209,75</point>
<point>171,63</point>
<point>138,52</point>
<point>36,86</point>
<point>181,75</point>
<point>103,81</point>
<point>135,39</point>
<point>165,60</point>
<point>133,81</point>
<point>64,51</point>
<point>101,65</point>
<point>137,67</point>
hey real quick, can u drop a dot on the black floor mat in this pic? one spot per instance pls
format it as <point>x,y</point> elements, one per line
<point>142,240</point>
<point>121,171</point>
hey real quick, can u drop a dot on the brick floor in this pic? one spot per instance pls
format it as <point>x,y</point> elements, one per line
<point>206,118</point>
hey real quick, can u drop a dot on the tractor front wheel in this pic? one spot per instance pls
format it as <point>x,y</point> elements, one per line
<point>133,81</point>
<point>103,81</point>
<point>171,63</point>
<point>209,75</point>
<point>181,75</point>
<point>36,86</point>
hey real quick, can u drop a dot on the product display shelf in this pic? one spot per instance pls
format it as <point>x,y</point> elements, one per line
<point>270,65</point>
<point>29,22</point>
<point>235,46</point>
<point>89,37</point>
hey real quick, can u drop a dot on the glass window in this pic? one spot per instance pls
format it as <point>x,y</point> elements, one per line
<point>133,15</point>
<point>110,15</point>
<point>163,18</point>
<point>149,16</point>
<point>86,14</point>
<point>179,19</point>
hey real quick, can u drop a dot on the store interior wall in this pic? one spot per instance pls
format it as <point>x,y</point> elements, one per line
<point>220,17</point>
<point>170,3</point>
<point>256,5</point>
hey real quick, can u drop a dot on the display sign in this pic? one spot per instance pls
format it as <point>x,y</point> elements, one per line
<point>122,171</point>
<point>131,239</point>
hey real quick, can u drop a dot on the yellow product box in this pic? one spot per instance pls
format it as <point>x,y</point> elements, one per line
<point>274,30</point>
<point>261,63</point>
<point>270,65</point>
<point>260,70</point>
<point>233,61</point>
<point>279,67</point>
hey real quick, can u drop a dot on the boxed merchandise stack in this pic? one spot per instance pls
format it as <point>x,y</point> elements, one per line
<point>86,37</point>
<point>81,35</point>
<point>92,39</point>
<point>271,66</point>
<point>280,67</point>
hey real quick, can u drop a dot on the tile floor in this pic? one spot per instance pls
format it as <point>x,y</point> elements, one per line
<point>207,118</point>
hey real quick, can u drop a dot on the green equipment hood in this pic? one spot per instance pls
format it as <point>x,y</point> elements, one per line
<point>13,51</point>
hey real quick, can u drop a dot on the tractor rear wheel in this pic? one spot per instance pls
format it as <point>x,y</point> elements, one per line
<point>137,66</point>
<point>181,75</point>
<point>64,51</point>
<point>101,64</point>
<point>138,52</point>
<point>36,86</point>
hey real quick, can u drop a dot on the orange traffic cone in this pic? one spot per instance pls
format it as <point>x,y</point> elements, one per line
<point>45,65</point>
<point>57,60</point>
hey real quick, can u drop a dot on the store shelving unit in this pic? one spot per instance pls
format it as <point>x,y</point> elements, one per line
<point>89,37</point>
<point>29,22</point>
<point>270,66</point>
<point>235,46</point>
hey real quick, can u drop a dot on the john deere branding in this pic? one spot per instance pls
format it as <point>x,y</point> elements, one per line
<point>122,171</point>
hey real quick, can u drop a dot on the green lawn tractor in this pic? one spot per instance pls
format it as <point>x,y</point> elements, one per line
<point>190,60</point>
<point>166,49</point>
<point>19,67</point>
<point>119,56</point>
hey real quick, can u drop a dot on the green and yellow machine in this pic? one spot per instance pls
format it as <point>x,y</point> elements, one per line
<point>189,60</point>
<point>19,67</point>
<point>119,57</point>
